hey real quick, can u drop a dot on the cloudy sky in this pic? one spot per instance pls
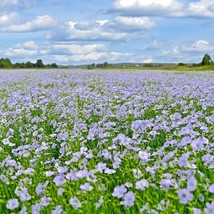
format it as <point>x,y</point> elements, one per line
<point>80,31</point>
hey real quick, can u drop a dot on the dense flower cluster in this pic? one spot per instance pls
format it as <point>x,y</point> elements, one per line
<point>106,142</point>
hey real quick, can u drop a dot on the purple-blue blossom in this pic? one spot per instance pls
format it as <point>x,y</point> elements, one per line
<point>185,196</point>
<point>119,191</point>
<point>12,204</point>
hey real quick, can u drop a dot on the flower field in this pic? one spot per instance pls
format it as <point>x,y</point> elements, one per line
<point>106,142</point>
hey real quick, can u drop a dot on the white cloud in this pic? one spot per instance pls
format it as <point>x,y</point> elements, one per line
<point>29,45</point>
<point>148,8</point>
<point>99,57</point>
<point>8,18</point>
<point>7,4</point>
<point>120,28</point>
<point>203,8</point>
<point>165,8</point>
<point>14,52</point>
<point>188,52</point>
<point>134,23</point>
<point>87,31</point>
<point>40,23</point>
<point>77,49</point>
<point>27,50</point>
<point>68,53</point>
<point>198,46</point>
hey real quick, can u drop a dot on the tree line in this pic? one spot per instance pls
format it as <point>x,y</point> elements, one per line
<point>6,63</point>
<point>103,65</point>
<point>206,60</point>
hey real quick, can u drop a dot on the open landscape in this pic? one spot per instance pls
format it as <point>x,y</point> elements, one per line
<point>88,141</point>
<point>107,107</point>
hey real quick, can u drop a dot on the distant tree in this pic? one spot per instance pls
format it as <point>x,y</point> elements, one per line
<point>54,65</point>
<point>99,65</point>
<point>181,64</point>
<point>5,63</point>
<point>105,65</point>
<point>92,65</point>
<point>39,63</point>
<point>29,65</point>
<point>206,60</point>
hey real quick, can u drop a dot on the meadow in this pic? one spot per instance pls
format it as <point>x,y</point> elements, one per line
<point>107,142</point>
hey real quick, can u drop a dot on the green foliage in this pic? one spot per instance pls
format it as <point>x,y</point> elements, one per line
<point>39,63</point>
<point>6,63</point>
<point>181,64</point>
<point>206,60</point>
<point>103,65</point>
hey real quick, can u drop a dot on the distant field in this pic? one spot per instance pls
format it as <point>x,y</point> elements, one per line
<point>74,141</point>
<point>169,68</point>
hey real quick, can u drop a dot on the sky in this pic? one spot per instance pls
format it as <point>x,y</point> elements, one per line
<point>73,32</point>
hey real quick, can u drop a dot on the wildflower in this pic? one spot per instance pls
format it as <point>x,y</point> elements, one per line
<point>71,176</point>
<point>82,173</point>
<point>7,142</point>
<point>75,203</point>
<point>29,171</point>
<point>23,210</point>
<point>101,166</point>
<point>144,156</point>
<point>59,180</point>
<point>185,196</point>
<point>163,205</point>
<point>50,173</point>
<point>192,184</point>
<point>144,208</point>
<point>86,187</point>
<point>40,188</point>
<point>99,203</point>
<point>141,185</point>
<point>12,204</point>
<point>62,170</point>
<point>45,201</point>
<point>182,162</point>
<point>207,159</point>
<point>211,188</point>
<point>109,171</point>
<point>196,211</point>
<point>58,210</point>
<point>36,208</point>
<point>119,191</point>
<point>209,207</point>
<point>23,194</point>
<point>129,199</point>
<point>198,144</point>
<point>4,179</point>
<point>60,191</point>
<point>166,183</point>
<point>137,173</point>
<point>128,184</point>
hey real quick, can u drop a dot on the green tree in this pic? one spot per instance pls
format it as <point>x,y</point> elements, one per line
<point>181,64</point>
<point>54,65</point>
<point>29,65</point>
<point>5,63</point>
<point>92,65</point>
<point>206,60</point>
<point>39,63</point>
<point>105,65</point>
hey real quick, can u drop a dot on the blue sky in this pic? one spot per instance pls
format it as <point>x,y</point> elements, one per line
<point>95,31</point>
